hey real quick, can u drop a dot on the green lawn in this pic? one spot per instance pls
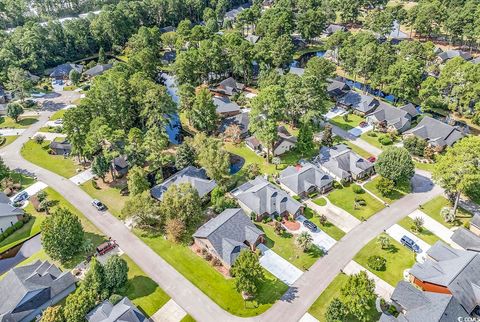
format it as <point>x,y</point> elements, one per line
<point>142,290</point>
<point>212,283</point>
<point>434,206</point>
<point>398,257</point>
<point>401,190</point>
<point>286,247</point>
<point>426,235</point>
<point>50,129</point>
<point>38,154</point>
<point>345,197</point>
<point>23,122</point>
<point>110,196</point>
<point>320,201</point>
<point>373,140</point>
<point>30,229</point>
<point>24,180</point>
<point>58,115</point>
<point>250,157</point>
<point>329,228</point>
<point>424,166</point>
<point>353,121</point>
<point>319,307</point>
<point>8,140</point>
<point>188,318</point>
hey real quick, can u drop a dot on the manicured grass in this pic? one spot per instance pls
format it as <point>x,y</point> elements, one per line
<point>434,206</point>
<point>285,246</point>
<point>38,154</point>
<point>8,140</point>
<point>23,122</point>
<point>320,201</point>
<point>58,115</point>
<point>424,166</point>
<point>373,140</point>
<point>401,190</point>
<point>69,88</point>
<point>353,121</point>
<point>142,290</point>
<point>250,157</point>
<point>188,318</point>
<point>319,307</point>
<point>50,129</point>
<point>329,228</point>
<point>212,283</point>
<point>425,235</point>
<point>345,199</point>
<point>398,257</point>
<point>110,196</point>
<point>30,229</point>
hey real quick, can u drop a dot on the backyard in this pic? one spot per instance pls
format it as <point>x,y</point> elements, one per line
<point>109,194</point>
<point>351,122</point>
<point>402,189</point>
<point>398,257</point>
<point>219,288</point>
<point>319,307</point>
<point>345,199</point>
<point>434,207</point>
<point>285,246</point>
<point>425,235</point>
<point>23,122</point>
<point>38,154</point>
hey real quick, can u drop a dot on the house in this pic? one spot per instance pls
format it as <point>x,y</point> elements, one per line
<point>450,271</point>
<point>411,110</point>
<point>28,290</point>
<point>9,214</point>
<point>361,103</point>
<point>333,28</point>
<point>387,118</point>
<point>229,87</point>
<point>120,165</point>
<point>242,120</point>
<point>97,70</point>
<point>297,71</point>
<point>231,15</point>
<point>225,107</point>
<point>168,57</point>
<point>63,71</point>
<point>449,54</point>
<point>436,133</point>
<point>61,148</point>
<point>123,311</point>
<point>253,39</point>
<point>343,164</point>
<point>167,29</point>
<point>304,179</point>
<point>336,88</point>
<point>468,239</point>
<point>226,235</point>
<point>416,305</point>
<point>262,198</point>
<point>194,176</point>
<point>396,35</point>
<point>284,143</point>
<point>298,42</point>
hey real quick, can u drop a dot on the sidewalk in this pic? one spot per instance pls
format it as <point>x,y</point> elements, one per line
<point>170,312</point>
<point>382,288</point>
<point>335,215</point>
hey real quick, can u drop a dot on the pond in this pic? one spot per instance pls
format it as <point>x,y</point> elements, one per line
<point>174,128</point>
<point>301,62</point>
<point>236,163</point>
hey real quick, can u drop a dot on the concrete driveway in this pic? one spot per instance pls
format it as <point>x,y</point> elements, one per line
<point>320,238</point>
<point>33,189</point>
<point>11,132</point>
<point>278,266</point>
<point>357,131</point>
<point>334,112</point>
<point>82,177</point>
<point>397,232</point>
<point>434,226</point>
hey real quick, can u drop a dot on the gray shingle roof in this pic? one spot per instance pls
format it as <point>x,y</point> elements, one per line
<point>395,117</point>
<point>449,54</point>
<point>252,38</point>
<point>297,71</point>
<point>360,102</point>
<point>123,311</point>
<point>334,28</point>
<point>425,306</point>
<point>224,105</point>
<point>196,177</point>
<point>262,197</point>
<point>242,120</point>
<point>341,161</point>
<point>228,232</point>
<point>466,239</point>
<point>458,270</point>
<point>6,209</point>
<point>98,69</point>
<point>301,178</point>
<point>26,288</point>
<point>337,88</point>
<point>475,221</point>
<point>436,132</point>
<point>410,109</point>
<point>65,146</point>
<point>64,70</point>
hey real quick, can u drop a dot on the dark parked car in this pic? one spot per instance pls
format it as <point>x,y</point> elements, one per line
<point>310,225</point>
<point>408,242</point>
<point>99,205</point>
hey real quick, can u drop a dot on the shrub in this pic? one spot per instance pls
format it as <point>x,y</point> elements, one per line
<point>466,225</point>
<point>372,134</point>
<point>115,298</point>
<point>1,237</point>
<point>337,185</point>
<point>448,214</point>
<point>377,263</point>
<point>313,194</point>
<point>385,140</point>
<point>358,190</point>
<point>360,201</point>
<point>18,225</point>
<point>2,140</point>
<point>208,256</point>
<point>385,186</point>
<point>39,138</point>
<point>267,220</point>
<point>216,262</point>
<point>94,184</point>
<point>322,219</point>
<point>8,231</point>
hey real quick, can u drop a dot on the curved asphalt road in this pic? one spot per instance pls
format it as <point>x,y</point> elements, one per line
<point>293,304</point>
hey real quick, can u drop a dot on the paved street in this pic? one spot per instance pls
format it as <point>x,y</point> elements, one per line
<point>294,303</point>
